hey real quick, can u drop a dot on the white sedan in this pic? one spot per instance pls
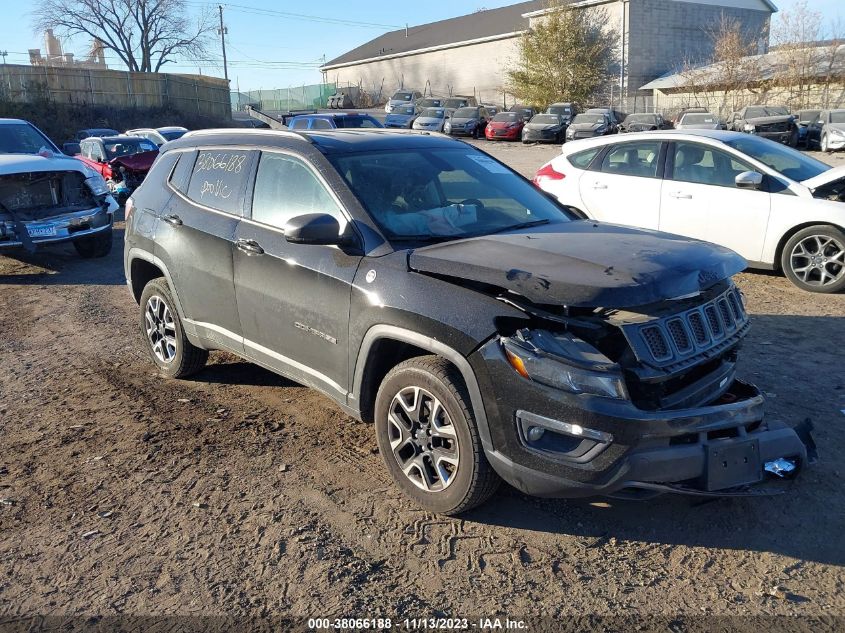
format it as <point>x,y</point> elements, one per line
<point>778,208</point>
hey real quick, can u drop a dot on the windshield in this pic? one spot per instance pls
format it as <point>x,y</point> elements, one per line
<point>507,116</point>
<point>698,119</point>
<point>791,163</point>
<point>431,103</point>
<point>22,138</point>
<point>641,118</point>
<point>589,118</point>
<point>173,135</point>
<point>546,119</point>
<point>408,110</point>
<point>755,113</point>
<point>465,113</point>
<point>402,96</point>
<point>433,113</point>
<point>128,146</point>
<point>455,103</point>
<point>560,110</point>
<point>837,117</point>
<point>356,122</point>
<point>441,194</point>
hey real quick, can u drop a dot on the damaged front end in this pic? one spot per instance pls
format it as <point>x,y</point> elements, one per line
<point>635,402</point>
<point>52,206</point>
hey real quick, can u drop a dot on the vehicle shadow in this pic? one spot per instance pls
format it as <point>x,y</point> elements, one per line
<point>793,362</point>
<point>228,370</point>
<point>61,265</point>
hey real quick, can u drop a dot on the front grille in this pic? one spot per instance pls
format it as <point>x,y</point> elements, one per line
<point>774,127</point>
<point>583,135</point>
<point>680,339</point>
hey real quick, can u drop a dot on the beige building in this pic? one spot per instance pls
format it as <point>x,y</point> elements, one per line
<point>471,54</point>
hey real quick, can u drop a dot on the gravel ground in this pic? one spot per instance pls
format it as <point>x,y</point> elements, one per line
<point>239,493</point>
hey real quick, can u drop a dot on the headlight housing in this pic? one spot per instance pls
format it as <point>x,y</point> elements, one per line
<point>97,183</point>
<point>750,128</point>
<point>555,372</point>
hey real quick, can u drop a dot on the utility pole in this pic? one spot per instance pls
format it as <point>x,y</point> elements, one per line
<point>222,30</point>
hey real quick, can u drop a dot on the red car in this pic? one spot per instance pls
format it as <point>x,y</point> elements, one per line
<point>122,160</point>
<point>505,126</point>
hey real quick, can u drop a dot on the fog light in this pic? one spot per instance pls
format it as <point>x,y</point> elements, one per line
<point>780,467</point>
<point>535,433</point>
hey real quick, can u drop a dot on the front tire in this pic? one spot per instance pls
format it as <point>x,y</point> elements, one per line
<point>825,147</point>
<point>168,347</point>
<point>814,259</point>
<point>93,246</point>
<point>428,437</point>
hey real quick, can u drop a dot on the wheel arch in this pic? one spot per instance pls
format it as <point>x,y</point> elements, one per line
<point>790,233</point>
<point>384,347</point>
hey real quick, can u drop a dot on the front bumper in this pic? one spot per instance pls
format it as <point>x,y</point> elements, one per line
<point>601,446</point>
<point>540,137</point>
<point>835,142</point>
<point>502,135</point>
<point>780,137</point>
<point>54,230</point>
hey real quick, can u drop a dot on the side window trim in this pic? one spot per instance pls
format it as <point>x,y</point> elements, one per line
<point>658,169</point>
<point>250,193</point>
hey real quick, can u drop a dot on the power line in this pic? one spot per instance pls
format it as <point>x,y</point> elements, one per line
<point>299,16</point>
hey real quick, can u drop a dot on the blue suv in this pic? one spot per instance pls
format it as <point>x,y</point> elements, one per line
<point>333,121</point>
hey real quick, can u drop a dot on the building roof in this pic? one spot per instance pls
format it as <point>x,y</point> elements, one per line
<point>769,64</point>
<point>488,24</point>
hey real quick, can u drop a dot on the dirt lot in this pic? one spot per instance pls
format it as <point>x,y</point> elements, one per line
<point>240,493</point>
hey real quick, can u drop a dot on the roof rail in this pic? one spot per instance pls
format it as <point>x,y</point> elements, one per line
<point>249,131</point>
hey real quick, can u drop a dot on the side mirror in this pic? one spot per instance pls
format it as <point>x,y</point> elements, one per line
<point>749,180</point>
<point>71,149</point>
<point>314,228</point>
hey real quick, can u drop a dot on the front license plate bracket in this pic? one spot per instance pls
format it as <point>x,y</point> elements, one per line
<point>732,464</point>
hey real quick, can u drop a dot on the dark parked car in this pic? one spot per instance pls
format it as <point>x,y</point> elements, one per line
<point>48,198</point>
<point>334,120</point>
<point>805,120</point>
<point>614,116</point>
<point>771,122</point>
<point>564,109</point>
<point>402,116</point>
<point>828,130</point>
<point>643,122</point>
<point>544,128</point>
<point>580,361</point>
<point>431,102</point>
<point>527,112</point>
<point>469,121</point>
<point>453,103</point>
<point>505,126</point>
<point>588,125</point>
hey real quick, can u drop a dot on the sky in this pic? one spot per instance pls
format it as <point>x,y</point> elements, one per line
<point>278,43</point>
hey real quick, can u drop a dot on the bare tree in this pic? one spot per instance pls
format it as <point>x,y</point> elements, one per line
<point>737,67</point>
<point>797,36</point>
<point>144,34</point>
<point>568,56</point>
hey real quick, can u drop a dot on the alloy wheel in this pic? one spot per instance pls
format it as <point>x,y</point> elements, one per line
<point>824,143</point>
<point>160,328</point>
<point>423,439</point>
<point>818,260</point>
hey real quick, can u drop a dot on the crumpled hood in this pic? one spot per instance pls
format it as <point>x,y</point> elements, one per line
<point>136,162</point>
<point>584,127</point>
<point>825,178</point>
<point>766,120</point>
<point>26,163</point>
<point>584,264</point>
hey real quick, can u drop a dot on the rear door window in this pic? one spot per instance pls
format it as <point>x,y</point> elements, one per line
<point>218,178</point>
<point>181,174</point>
<point>632,159</point>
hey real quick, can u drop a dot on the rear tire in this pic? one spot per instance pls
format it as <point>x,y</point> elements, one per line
<point>428,437</point>
<point>161,327</point>
<point>814,259</point>
<point>93,246</point>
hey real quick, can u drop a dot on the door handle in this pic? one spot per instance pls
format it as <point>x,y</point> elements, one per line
<point>173,220</point>
<point>599,185</point>
<point>250,247</point>
<point>680,195</point>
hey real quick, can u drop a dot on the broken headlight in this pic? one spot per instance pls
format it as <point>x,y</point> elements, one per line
<point>554,372</point>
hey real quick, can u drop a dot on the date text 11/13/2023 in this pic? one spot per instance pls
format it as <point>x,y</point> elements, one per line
<point>417,624</point>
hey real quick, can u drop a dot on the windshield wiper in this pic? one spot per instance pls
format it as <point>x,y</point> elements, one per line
<point>517,227</point>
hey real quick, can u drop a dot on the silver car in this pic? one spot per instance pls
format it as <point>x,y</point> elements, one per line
<point>431,119</point>
<point>699,121</point>
<point>831,130</point>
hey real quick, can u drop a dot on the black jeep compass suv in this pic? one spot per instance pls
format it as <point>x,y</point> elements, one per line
<point>485,330</point>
